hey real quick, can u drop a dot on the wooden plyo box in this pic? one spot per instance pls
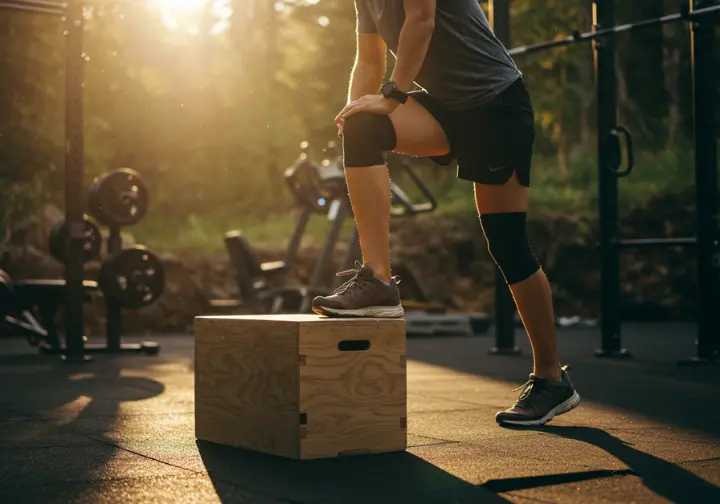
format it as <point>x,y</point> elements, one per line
<point>301,386</point>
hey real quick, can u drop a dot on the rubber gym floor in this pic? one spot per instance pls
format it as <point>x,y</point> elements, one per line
<point>120,429</point>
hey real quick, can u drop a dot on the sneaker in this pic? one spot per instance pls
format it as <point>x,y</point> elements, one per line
<point>363,295</point>
<point>540,401</point>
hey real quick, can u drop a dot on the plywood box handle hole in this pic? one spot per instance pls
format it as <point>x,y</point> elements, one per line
<point>353,345</point>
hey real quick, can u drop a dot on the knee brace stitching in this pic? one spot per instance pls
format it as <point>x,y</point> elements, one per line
<point>509,246</point>
<point>366,137</point>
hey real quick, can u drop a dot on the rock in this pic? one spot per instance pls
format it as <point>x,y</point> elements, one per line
<point>27,233</point>
<point>28,261</point>
<point>34,231</point>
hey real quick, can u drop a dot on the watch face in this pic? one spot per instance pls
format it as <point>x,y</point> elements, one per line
<point>388,88</point>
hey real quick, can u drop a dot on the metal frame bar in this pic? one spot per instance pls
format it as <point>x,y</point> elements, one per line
<point>575,38</point>
<point>74,185</point>
<point>291,253</point>
<point>705,126</point>
<point>608,210</point>
<point>113,311</point>
<point>690,241</point>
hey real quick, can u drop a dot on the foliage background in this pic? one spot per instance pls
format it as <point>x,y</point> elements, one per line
<point>211,112</point>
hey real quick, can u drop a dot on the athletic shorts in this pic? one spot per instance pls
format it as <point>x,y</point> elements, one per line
<point>490,142</point>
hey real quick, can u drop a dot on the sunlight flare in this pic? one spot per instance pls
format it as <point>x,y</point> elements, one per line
<point>187,15</point>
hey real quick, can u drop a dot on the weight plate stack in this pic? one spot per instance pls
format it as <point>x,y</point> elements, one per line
<point>60,240</point>
<point>118,198</point>
<point>133,277</point>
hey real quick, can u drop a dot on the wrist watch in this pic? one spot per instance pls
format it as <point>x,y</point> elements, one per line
<point>390,90</point>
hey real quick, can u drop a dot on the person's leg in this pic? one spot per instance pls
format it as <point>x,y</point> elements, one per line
<point>410,129</point>
<point>549,391</point>
<point>502,207</point>
<point>416,133</point>
<point>369,191</point>
<point>500,168</point>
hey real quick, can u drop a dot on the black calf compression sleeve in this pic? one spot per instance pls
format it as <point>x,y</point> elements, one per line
<point>366,138</point>
<point>508,245</point>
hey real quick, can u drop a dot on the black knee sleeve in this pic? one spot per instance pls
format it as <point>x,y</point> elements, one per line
<point>508,245</point>
<point>366,137</point>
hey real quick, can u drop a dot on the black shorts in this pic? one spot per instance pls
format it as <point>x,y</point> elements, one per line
<point>490,142</point>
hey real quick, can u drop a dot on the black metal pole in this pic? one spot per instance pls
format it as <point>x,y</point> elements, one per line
<point>500,20</point>
<point>504,302</point>
<point>605,81</point>
<point>705,88</point>
<point>295,241</point>
<point>74,174</point>
<point>327,252</point>
<point>113,310</point>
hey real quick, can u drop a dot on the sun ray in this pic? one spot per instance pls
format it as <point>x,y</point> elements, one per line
<point>186,15</point>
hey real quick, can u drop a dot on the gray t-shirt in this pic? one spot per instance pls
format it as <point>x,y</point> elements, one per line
<point>466,65</point>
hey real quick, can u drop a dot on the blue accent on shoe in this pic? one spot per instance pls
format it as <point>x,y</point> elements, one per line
<point>388,284</point>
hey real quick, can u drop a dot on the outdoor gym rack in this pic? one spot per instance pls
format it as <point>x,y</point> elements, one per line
<point>703,16</point>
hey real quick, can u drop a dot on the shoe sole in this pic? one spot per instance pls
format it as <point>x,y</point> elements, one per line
<point>369,312</point>
<point>564,407</point>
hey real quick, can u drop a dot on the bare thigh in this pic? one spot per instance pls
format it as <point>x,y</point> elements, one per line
<point>419,134</point>
<point>417,131</point>
<point>507,198</point>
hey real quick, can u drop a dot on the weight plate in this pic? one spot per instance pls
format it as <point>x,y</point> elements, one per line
<point>118,198</point>
<point>59,241</point>
<point>133,277</point>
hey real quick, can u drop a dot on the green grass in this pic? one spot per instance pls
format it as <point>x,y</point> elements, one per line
<point>205,233</point>
<point>553,193</point>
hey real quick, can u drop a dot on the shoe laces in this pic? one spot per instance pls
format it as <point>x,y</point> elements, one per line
<point>356,281</point>
<point>353,282</point>
<point>527,388</point>
<point>530,386</point>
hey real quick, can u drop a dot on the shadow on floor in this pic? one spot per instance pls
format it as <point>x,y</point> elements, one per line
<point>388,478</point>
<point>42,400</point>
<point>650,384</point>
<point>660,476</point>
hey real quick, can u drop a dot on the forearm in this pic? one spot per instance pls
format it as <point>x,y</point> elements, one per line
<point>412,48</point>
<point>366,80</point>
